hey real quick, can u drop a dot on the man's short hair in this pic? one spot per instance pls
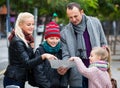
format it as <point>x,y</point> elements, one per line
<point>74,4</point>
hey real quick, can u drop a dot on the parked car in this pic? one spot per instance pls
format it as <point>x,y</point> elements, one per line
<point>40,29</point>
<point>2,35</point>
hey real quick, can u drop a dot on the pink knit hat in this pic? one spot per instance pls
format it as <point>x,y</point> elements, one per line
<point>52,30</point>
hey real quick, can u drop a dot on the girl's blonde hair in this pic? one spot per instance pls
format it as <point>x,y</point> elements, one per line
<point>20,19</point>
<point>105,54</point>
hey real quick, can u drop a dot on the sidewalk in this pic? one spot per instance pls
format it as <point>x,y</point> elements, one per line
<point>115,68</point>
<point>115,64</point>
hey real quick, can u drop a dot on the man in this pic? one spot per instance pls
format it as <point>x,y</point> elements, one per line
<point>78,37</point>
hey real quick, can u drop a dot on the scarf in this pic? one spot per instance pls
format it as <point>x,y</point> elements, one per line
<point>29,38</point>
<point>89,23</point>
<point>11,35</point>
<point>79,30</point>
<point>50,49</point>
<point>102,65</point>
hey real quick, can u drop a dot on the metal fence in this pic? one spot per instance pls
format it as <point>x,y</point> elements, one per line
<point>112,32</point>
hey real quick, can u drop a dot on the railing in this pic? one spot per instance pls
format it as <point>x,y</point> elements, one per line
<point>112,32</point>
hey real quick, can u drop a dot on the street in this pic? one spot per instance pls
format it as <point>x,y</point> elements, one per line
<point>115,64</point>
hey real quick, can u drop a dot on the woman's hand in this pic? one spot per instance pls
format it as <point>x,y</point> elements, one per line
<point>48,56</point>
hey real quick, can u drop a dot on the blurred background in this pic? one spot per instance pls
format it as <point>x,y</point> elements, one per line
<point>108,11</point>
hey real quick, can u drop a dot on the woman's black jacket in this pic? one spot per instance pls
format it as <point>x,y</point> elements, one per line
<point>21,59</point>
<point>45,76</point>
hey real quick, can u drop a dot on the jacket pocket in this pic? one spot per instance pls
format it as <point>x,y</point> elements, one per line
<point>16,73</point>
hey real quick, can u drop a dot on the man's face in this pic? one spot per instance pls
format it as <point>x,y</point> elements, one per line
<point>74,15</point>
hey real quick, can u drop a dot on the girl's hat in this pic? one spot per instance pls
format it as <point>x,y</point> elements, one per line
<point>52,30</point>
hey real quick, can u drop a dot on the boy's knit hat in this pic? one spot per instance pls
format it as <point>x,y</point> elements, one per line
<point>52,30</point>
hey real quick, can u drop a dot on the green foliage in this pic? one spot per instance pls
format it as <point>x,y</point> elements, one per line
<point>103,9</point>
<point>43,11</point>
<point>2,2</point>
<point>109,9</point>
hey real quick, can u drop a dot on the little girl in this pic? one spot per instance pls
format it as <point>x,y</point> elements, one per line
<point>98,72</point>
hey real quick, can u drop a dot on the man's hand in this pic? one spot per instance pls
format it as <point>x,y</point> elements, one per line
<point>62,70</point>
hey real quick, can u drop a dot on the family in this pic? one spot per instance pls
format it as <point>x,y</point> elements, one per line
<point>81,41</point>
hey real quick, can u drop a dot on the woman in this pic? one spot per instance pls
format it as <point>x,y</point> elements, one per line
<point>21,57</point>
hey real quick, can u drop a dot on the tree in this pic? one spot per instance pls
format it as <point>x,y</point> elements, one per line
<point>103,9</point>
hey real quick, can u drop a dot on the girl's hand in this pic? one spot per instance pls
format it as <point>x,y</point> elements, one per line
<point>73,58</point>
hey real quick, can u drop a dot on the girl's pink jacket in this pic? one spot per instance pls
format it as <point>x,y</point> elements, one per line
<point>96,77</point>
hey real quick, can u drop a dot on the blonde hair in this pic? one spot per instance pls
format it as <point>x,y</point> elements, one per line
<point>20,19</point>
<point>105,54</point>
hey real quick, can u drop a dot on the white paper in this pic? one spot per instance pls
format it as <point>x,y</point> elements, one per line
<point>61,63</point>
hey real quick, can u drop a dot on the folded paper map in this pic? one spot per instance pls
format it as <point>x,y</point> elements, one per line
<point>61,63</point>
